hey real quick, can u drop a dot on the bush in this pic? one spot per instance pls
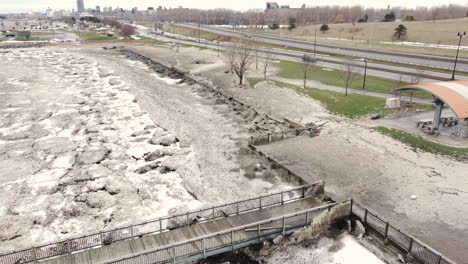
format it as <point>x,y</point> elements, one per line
<point>390,17</point>
<point>324,28</point>
<point>409,18</point>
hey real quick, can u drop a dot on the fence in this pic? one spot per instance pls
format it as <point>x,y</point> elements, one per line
<point>272,137</point>
<point>157,226</point>
<point>408,244</point>
<point>227,240</point>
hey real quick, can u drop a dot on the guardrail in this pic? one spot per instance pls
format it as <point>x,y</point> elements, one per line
<point>408,244</point>
<point>155,226</point>
<point>227,240</point>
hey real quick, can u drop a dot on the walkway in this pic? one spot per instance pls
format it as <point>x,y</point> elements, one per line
<point>139,245</point>
<point>321,86</point>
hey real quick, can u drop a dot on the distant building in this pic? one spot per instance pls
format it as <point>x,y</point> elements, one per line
<point>272,5</point>
<point>285,6</point>
<point>80,6</point>
<point>98,9</point>
<point>49,12</point>
<point>134,10</point>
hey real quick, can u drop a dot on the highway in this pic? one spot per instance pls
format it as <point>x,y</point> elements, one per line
<point>396,73</point>
<point>440,62</point>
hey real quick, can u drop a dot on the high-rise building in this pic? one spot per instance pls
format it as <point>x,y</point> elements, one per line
<point>80,6</point>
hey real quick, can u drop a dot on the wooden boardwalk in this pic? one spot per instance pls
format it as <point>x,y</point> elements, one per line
<point>139,245</point>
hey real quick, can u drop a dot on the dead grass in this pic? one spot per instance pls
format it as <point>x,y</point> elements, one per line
<point>438,32</point>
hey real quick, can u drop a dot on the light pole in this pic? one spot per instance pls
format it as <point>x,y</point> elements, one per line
<point>365,74</point>
<point>315,41</point>
<point>365,71</point>
<point>460,36</point>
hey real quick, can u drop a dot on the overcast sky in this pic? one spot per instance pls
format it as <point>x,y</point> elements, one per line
<point>25,5</point>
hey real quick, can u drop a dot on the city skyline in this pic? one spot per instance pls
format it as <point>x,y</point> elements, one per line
<point>42,5</point>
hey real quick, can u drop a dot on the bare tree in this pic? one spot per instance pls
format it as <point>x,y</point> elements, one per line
<point>127,30</point>
<point>240,56</point>
<point>349,73</point>
<point>308,62</point>
<point>266,63</point>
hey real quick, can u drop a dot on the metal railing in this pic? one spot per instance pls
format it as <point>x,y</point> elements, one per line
<point>407,243</point>
<point>155,226</point>
<point>227,240</point>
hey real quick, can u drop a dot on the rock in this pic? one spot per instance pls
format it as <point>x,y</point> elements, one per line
<point>113,187</point>
<point>147,168</point>
<point>99,200</point>
<point>164,140</point>
<point>140,133</point>
<point>93,155</point>
<point>153,155</point>
<point>149,127</point>
<point>114,81</point>
<point>55,145</point>
<point>278,240</point>
<point>374,116</point>
<point>413,197</point>
<point>359,229</point>
<point>173,163</point>
<point>138,114</point>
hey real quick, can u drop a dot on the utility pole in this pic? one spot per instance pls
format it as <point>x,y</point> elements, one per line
<point>460,36</point>
<point>199,18</point>
<point>315,41</point>
<point>365,74</point>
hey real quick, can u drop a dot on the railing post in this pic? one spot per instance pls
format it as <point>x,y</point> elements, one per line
<point>386,231</point>
<point>351,207</point>
<point>131,230</point>
<point>410,245</point>
<point>307,219</point>
<point>160,225</point>
<point>282,198</point>
<point>100,236</point>
<point>34,254</point>
<point>258,233</point>
<point>204,248</point>
<point>237,208</point>
<point>303,192</point>
<point>173,255</point>
<point>188,219</point>
<point>365,216</point>
<point>69,246</point>
<point>232,240</point>
<point>440,259</point>
<point>260,202</point>
<point>284,226</point>
<point>213,214</point>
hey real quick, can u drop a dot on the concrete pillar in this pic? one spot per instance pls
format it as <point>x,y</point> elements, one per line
<point>437,114</point>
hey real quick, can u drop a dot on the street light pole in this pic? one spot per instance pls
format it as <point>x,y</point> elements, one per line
<point>460,36</point>
<point>365,74</point>
<point>315,41</point>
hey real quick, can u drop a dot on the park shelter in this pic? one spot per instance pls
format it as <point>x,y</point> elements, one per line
<point>454,94</point>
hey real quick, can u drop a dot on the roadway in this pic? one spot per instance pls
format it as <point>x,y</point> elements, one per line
<point>396,73</point>
<point>440,62</point>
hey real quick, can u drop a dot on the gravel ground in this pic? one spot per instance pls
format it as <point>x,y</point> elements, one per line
<point>90,139</point>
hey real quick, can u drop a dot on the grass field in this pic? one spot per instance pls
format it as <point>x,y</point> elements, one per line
<point>94,37</point>
<point>418,143</point>
<point>352,106</point>
<point>438,32</point>
<point>295,70</point>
